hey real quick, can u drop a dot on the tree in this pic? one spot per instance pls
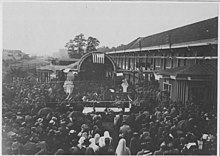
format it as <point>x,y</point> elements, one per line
<point>76,46</point>
<point>92,44</point>
<point>79,45</point>
<point>103,49</point>
<point>14,72</point>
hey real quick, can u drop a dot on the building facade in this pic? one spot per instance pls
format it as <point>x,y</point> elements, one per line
<point>183,60</point>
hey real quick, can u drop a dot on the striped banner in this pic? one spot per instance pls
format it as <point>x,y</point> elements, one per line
<point>98,58</point>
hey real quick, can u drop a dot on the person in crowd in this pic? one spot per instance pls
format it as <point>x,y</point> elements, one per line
<point>59,152</point>
<point>161,150</point>
<point>122,149</point>
<point>36,120</point>
<point>134,144</point>
<point>94,146</point>
<point>108,148</point>
<point>125,129</point>
<point>89,150</point>
<point>145,149</point>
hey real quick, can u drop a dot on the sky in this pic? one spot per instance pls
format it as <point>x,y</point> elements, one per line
<point>42,28</point>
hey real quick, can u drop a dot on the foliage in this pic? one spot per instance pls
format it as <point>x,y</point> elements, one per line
<point>20,72</point>
<point>14,72</point>
<point>80,45</point>
<point>103,49</point>
<point>92,43</point>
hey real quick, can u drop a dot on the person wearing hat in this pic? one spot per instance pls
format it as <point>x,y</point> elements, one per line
<point>122,149</point>
<point>125,128</point>
<point>59,152</point>
<point>145,149</point>
<point>107,149</point>
<point>93,145</point>
<point>97,137</point>
<point>118,122</point>
<point>30,147</point>
<point>107,135</point>
<point>88,149</point>
<point>63,128</point>
<point>81,146</point>
<point>134,144</point>
<point>43,148</point>
<point>74,150</point>
<point>16,147</point>
<point>161,150</point>
<point>172,150</point>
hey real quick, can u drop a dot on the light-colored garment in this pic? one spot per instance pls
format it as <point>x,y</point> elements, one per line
<point>93,145</point>
<point>124,85</point>
<point>107,135</point>
<point>102,141</point>
<point>122,149</point>
<point>124,129</point>
<point>97,137</point>
<point>68,87</point>
<point>81,140</point>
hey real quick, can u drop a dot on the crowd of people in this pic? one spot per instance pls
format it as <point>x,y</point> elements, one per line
<point>36,120</point>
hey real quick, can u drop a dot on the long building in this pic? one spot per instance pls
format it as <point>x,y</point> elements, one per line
<point>182,60</point>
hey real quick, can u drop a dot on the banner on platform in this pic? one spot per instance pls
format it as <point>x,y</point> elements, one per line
<point>98,58</point>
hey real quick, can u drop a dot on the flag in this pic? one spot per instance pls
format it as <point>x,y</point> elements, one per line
<point>98,58</point>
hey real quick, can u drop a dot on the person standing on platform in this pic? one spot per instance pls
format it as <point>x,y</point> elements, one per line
<point>68,85</point>
<point>124,85</point>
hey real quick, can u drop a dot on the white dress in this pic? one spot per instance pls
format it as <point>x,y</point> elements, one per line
<point>124,85</point>
<point>68,86</point>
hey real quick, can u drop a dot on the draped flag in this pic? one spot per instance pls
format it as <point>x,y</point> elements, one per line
<point>98,58</point>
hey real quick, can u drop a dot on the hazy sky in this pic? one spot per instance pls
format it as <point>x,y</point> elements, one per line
<point>44,27</point>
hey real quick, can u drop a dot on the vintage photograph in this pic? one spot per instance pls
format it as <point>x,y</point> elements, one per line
<point>109,78</point>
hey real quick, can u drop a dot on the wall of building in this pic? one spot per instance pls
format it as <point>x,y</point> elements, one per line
<point>165,59</point>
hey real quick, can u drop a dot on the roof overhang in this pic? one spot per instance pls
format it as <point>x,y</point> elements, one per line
<point>168,46</point>
<point>185,77</point>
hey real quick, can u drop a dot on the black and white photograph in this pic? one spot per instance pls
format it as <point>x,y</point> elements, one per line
<point>109,78</point>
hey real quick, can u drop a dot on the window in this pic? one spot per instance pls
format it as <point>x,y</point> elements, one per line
<point>168,63</point>
<point>167,87</point>
<point>157,63</point>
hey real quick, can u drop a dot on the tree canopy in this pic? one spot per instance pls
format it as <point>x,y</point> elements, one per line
<point>80,45</point>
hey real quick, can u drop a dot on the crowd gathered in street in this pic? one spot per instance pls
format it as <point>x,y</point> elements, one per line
<point>38,120</point>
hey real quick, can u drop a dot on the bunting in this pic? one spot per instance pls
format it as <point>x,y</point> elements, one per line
<point>98,58</point>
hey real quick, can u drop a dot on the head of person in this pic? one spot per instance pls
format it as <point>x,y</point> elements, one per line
<point>107,141</point>
<point>106,134</point>
<point>97,137</point>
<point>59,152</point>
<point>135,134</point>
<point>163,145</point>
<point>121,148</point>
